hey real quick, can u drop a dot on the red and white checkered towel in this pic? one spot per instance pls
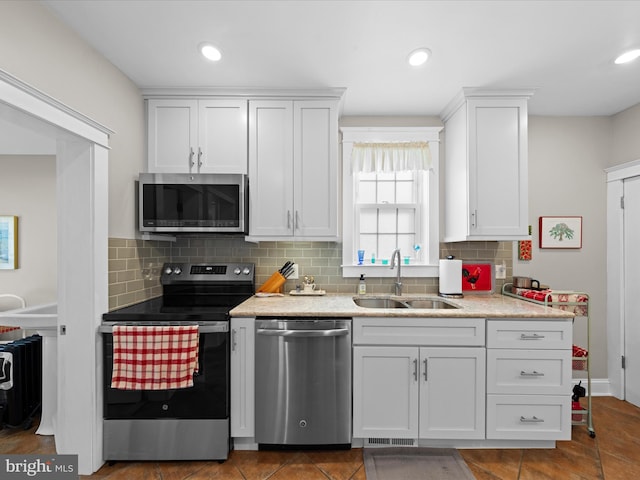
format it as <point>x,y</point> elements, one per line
<point>154,358</point>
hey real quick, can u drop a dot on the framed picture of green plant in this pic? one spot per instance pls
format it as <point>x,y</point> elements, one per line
<point>560,232</point>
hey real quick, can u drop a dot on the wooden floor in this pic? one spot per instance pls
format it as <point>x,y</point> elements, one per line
<point>614,454</point>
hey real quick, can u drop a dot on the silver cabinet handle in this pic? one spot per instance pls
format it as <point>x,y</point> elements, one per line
<point>474,216</point>
<point>233,340</point>
<point>533,419</point>
<point>425,369</point>
<point>199,157</point>
<point>533,336</point>
<point>296,225</point>
<point>288,219</point>
<point>415,369</point>
<point>335,332</point>
<point>191,153</point>
<point>531,374</point>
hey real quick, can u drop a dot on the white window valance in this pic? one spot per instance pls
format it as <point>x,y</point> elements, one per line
<point>391,157</point>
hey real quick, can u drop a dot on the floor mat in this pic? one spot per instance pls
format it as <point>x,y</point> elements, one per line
<point>415,464</point>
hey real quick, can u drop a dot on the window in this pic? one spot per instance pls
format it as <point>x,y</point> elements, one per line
<point>389,206</point>
<point>387,214</point>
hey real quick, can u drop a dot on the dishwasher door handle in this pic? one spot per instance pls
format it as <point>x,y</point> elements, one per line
<point>334,332</point>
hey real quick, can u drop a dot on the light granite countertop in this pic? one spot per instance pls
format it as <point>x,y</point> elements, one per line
<point>340,305</point>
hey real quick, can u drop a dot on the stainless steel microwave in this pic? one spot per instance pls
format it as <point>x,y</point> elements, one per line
<point>183,203</point>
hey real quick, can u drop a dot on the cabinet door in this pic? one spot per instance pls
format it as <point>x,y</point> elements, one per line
<point>222,136</point>
<point>385,392</point>
<point>242,377</point>
<point>452,393</point>
<point>172,136</point>
<point>271,168</point>
<point>498,190</point>
<point>315,140</point>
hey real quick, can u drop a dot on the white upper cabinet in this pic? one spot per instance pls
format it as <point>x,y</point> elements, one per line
<point>197,136</point>
<point>293,169</point>
<point>486,181</point>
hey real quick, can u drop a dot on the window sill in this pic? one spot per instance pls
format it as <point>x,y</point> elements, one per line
<point>379,271</point>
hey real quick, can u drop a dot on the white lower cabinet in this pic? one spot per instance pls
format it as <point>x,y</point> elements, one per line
<point>242,377</point>
<point>413,392</point>
<point>529,379</point>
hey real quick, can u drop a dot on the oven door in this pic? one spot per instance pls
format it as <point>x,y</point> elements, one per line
<point>207,399</point>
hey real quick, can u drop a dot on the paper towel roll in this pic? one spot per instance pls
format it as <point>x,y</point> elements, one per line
<point>451,276</point>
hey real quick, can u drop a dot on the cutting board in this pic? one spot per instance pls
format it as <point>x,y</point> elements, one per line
<point>478,277</point>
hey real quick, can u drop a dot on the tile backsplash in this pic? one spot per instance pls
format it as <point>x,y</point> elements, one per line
<point>134,270</point>
<point>134,265</point>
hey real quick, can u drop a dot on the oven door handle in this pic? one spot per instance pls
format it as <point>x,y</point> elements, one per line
<point>334,332</point>
<point>201,328</point>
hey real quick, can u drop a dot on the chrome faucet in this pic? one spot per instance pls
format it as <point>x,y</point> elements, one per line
<point>394,255</point>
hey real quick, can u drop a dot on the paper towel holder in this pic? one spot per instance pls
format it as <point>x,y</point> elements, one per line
<point>450,295</point>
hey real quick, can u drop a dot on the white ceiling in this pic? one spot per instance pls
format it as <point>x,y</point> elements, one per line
<point>562,49</point>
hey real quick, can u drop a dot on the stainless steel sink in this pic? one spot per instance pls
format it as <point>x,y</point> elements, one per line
<point>417,303</point>
<point>379,303</point>
<point>431,303</point>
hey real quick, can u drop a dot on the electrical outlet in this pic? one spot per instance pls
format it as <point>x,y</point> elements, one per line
<point>294,274</point>
<point>501,271</point>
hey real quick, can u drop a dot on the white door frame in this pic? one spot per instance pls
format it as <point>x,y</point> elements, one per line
<point>82,152</point>
<point>615,272</point>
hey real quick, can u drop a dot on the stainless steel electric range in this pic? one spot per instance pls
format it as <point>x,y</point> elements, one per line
<point>187,423</point>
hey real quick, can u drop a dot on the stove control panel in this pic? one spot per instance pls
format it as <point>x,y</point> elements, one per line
<point>209,272</point>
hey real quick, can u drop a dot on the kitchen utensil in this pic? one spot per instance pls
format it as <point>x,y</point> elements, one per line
<point>286,273</point>
<point>525,282</point>
<point>285,266</point>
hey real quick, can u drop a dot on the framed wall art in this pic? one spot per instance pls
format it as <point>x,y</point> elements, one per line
<point>8,242</point>
<point>560,232</point>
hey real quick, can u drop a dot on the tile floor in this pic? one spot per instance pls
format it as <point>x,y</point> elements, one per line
<point>614,454</point>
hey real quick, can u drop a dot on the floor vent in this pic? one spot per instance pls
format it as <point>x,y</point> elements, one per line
<point>398,442</point>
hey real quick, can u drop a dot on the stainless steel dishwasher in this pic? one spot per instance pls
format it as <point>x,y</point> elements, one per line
<point>303,382</point>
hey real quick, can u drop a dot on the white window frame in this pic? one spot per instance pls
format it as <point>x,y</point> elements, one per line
<point>431,229</point>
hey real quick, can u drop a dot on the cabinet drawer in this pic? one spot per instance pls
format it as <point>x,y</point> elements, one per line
<point>539,372</point>
<point>418,331</point>
<point>524,417</point>
<point>529,334</point>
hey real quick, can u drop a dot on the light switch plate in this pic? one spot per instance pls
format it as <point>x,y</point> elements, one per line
<point>294,274</point>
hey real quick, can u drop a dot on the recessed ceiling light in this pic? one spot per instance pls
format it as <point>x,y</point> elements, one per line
<point>628,56</point>
<point>210,52</point>
<point>419,57</point>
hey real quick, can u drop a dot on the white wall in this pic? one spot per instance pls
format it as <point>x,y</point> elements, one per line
<point>38,49</point>
<point>28,190</point>
<point>567,156</point>
<point>625,143</point>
